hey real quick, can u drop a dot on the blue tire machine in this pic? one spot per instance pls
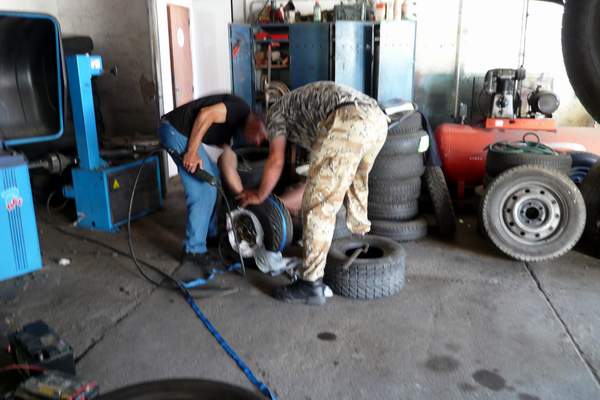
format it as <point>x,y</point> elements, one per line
<point>32,111</point>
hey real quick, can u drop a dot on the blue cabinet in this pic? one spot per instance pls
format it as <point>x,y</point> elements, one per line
<point>309,53</point>
<point>396,61</point>
<point>242,61</point>
<point>354,54</point>
<point>375,58</point>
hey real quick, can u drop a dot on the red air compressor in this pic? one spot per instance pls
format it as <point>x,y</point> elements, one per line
<point>463,148</point>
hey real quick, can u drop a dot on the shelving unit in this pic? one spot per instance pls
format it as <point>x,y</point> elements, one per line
<point>375,58</point>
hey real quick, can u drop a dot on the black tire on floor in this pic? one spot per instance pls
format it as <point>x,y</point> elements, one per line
<point>379,273</point>
<point>397,167</point>
<point>442,203</point>
<point>394,212</point>
<point>394,192</point>
<point>403,144</point>
<point>181,389</point>
<point>581,51</point>
<point>406,231</point>
<point>590,189</point>
<point>276,235</point>
<point>405,122</point>
<point>497,161</point>
<point>251,163</point>
<point>532,213</point>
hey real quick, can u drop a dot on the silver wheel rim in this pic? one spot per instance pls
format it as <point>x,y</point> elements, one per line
<point>533,213</point>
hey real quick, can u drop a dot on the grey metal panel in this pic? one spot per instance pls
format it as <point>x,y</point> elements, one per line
<point>309,53</point>
<point>436,58</point>
<point>396,60</point>
<point>353,54</point>
<point>240,40</point>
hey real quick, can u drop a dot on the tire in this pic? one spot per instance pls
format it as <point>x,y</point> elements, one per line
<point>397,167</point>
<point>278,229</point>
<point>406,231</point>
<point>181,389</point>
<point>251,164</point>
<point>341,229</point>
<point>394,212</point>
<point>394,192</point>
<point>582,163</point>
<point>404,144</point>
<point>442,203</point>
<point>378,275</point>
<point>590,189</point>
<point>581,51</point>
<point>497,161</point>
<point>405,122</point>
<point>556,206</point>
<point>584,159</point>
<point>487,180</point>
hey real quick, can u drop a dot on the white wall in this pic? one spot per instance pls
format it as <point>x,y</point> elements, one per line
<point>43,6</point>
<point>211,49</point>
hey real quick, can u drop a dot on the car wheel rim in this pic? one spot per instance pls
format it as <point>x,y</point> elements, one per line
<point>533,213</point>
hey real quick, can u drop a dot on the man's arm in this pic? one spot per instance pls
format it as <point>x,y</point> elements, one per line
<point>271,174</point>
<point>215,114</point>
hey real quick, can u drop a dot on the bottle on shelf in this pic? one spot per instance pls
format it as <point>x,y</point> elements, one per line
<point>379,11</point>
<point>397,10</point>
<point>317,12</point>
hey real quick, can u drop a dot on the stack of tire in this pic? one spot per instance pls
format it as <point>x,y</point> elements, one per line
<point>395,180</point>
<point>530,209</point>
<point>590,189</point>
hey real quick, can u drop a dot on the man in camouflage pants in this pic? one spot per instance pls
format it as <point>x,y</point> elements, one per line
<point>344,130</point>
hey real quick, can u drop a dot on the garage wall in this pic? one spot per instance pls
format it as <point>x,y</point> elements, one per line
<point>211,48</point>
<point>490,38</point>
<point>121,36</point>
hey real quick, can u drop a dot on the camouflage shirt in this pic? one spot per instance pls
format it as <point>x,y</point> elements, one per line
<point>297,114</point>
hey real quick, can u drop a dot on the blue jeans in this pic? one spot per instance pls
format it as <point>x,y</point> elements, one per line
<point>200,197</point>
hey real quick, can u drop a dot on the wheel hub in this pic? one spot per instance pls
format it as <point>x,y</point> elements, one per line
<point>532,213</point>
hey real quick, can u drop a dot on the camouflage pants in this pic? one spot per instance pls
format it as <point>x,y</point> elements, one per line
<point>342,157</point>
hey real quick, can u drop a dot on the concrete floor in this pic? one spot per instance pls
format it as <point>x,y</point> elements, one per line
<point>469,324</point>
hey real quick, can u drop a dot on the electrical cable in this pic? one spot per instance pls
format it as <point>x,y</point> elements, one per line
<point>59,208</point>
<point>262,387</point>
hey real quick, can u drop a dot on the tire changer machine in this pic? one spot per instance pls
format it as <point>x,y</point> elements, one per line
<point>32,104</point>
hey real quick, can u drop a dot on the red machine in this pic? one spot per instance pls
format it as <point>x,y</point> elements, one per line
<point>463,147</point>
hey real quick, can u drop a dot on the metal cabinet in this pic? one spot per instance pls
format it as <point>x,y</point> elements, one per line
<point>242,61</point>
<point>354,54</point>
<point>309,53</point>
<point>394,75</point>
<point>375,58</point>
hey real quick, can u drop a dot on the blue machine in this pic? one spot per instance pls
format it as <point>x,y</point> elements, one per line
<point>31,110</point>
<point>102,193</point>
<point>19,244</point>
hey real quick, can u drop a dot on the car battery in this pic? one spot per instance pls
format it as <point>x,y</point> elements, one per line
<point>53,385</point>
<point>37,344</point>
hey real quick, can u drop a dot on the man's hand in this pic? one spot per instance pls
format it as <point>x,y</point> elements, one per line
<point>192,162</point>
<point>249,198</point>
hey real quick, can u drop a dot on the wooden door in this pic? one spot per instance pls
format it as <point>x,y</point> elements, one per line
<point>181,54</point>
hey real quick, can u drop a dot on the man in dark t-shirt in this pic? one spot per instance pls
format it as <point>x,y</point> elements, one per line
<point>201,132</point>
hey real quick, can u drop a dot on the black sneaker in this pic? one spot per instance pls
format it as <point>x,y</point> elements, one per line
<point>194,260</point>
<point>311,293</point>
